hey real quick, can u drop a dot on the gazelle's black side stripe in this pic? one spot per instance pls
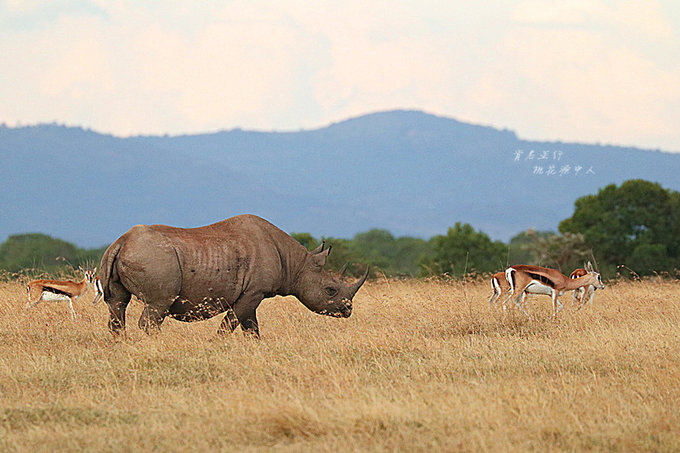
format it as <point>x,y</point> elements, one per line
<point>50,289</point>
<point>541,278</point>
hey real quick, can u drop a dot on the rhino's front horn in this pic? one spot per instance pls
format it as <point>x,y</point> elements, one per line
<point>357,285</point>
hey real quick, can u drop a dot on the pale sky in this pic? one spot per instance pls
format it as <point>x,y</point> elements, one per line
<point>590,71</point>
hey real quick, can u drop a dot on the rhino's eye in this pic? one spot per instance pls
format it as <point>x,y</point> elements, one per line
<point>331,291</point>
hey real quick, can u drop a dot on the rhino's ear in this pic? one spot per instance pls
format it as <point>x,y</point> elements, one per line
<point>319,260</point>
<point>319,249</point>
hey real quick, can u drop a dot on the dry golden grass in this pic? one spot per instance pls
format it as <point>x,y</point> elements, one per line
<point>419,366</point>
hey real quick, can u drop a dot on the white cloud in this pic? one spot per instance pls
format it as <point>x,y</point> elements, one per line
<point>644,16</point>
<point>601,84</point>
<point>628,16</point>
<point>579,70</point>
<point>558,12</point>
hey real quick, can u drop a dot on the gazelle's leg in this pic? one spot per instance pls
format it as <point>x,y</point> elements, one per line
<point>585,292</point>
<point>505,301</point>
<point>511,291</point>
<point>553,295</point>
<point>557,305</point>
<point>521,307</point>
<point>516,291</point>
<point>98,292</point>
<point>520,299</point>
<point>494,297</point>
<point>588,292</point>
<point>70,305</point>
<point>582,297</point>
<point>36,302</point>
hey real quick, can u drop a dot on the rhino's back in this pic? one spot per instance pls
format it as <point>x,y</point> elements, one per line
<point>218,260</point>
<point>227,257</point>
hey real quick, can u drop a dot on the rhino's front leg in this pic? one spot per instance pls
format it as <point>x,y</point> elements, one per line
<point>151,319</point>
<point>243,313</point>
<point>248,321</point>
<point>249,324</point>
<point>229,323</point>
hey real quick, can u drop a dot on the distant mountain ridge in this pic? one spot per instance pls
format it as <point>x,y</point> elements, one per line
<point>406,171</point>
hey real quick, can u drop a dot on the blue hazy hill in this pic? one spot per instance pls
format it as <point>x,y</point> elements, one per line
<point>406,171</point>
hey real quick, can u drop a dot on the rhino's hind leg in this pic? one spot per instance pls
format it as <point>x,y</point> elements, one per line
<point>118,302</point>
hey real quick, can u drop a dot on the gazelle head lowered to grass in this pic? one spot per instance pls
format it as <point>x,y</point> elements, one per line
<point>585,292</point>
<point>594,275</point>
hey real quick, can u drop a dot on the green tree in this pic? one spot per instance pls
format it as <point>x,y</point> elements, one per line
<point>40,251</point>
<point>648,258</point>
<point>408,251</point>
<point>464,250</point>
<point>35,250</point>
<point>387,254</point>
<point>562,252</point>
<point>377,248</point>
<point>524,247</point>
<point>306,239</point>
<point>342,253</point>
<point>636,224</point>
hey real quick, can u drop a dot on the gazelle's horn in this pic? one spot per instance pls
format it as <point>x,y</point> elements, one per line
<point>63,258</point>
<point>597,266</point>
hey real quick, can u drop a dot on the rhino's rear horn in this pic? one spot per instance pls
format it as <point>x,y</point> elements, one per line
<point>357,285</point>
<point>343,269</point>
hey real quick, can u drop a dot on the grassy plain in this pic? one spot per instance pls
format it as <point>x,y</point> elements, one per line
<point>420,366</point>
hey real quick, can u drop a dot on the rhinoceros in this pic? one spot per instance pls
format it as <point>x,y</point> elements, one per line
<point>192,274</point>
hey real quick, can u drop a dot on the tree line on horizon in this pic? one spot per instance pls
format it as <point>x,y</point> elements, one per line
<point>634,226</point>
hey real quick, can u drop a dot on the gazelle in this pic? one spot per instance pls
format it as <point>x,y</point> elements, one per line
<point>542,280</point>
<point>60,290</point>
<point>581,293</point>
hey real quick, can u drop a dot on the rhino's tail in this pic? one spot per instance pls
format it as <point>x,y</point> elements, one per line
<point>107,269</point>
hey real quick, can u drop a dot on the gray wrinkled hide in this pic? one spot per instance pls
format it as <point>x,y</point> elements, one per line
<point>230,266</point>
